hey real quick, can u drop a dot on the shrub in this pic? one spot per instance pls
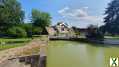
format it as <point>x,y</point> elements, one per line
<point>28,28</point>
<point>94,33</point>
<point>36,30</point>
<point>17,32</point>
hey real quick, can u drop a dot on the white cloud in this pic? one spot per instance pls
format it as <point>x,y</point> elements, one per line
<point>63,10</point>
<point>80,14</point>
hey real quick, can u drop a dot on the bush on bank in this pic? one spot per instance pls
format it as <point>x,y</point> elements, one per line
<point>17,32</point>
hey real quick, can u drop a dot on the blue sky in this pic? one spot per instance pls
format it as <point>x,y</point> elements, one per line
<point>78,13</point>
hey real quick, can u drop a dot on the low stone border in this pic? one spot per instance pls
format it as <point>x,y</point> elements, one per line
<point>15,52</point>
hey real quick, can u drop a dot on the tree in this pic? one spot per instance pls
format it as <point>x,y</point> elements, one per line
<point>36,30</point>
<point>28,28</point>
<point>40,19</point>
<point>102,29</point>
<point>10,14</point>
<point>76,30</point>
<point>112,17</point>
<point>94,33</point>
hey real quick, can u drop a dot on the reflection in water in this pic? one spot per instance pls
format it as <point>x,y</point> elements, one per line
<point>83,55</point>
<point>100,58</point>
<point>75,54</point>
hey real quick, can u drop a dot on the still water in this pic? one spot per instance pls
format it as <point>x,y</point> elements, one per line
<point>76,54</point>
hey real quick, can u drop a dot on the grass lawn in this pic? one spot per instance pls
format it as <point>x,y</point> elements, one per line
<point>14,39</point>
<point>111,37</point>
<point>7,46</point>
<point>6,43</point>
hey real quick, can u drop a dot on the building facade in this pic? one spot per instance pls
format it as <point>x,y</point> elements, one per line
<point>60,29</point>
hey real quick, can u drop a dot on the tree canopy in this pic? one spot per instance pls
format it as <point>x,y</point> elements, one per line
<point>40,19</point>
<point>112,17</point>
<point>12,20</point>
<point>10,14</point>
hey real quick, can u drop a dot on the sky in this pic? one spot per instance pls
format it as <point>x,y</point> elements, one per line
<point>80,13</point>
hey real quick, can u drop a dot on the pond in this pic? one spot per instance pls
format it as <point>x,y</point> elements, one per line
<point>76,54</point>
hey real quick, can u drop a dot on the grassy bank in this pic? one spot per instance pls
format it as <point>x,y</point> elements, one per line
<point>14,39</point>
<point>6,43</point>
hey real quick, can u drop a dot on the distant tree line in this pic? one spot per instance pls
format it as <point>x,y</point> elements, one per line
<point>12,20</point>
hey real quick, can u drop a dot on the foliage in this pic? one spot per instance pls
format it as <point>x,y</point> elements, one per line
<point>40,19</point>
<point>112,17</point>
<point>10,14</point>
<point>76,30</point>
<point>28,28</point>
<point>36,30</point>
<point>12,20</point>
<point>12,43</point>
<point>17,32</point>
<point>102,29</point>
<point>94,33</point>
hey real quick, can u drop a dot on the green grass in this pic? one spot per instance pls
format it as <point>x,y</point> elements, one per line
<point>8,46</point>
<point>112,37</point>
<point>6,43</point>
<point>13,39</point>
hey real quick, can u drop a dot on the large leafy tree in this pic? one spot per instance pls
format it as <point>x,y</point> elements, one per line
<point>40,19</point>
<point>112,17</point>
<point>10,14</point>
